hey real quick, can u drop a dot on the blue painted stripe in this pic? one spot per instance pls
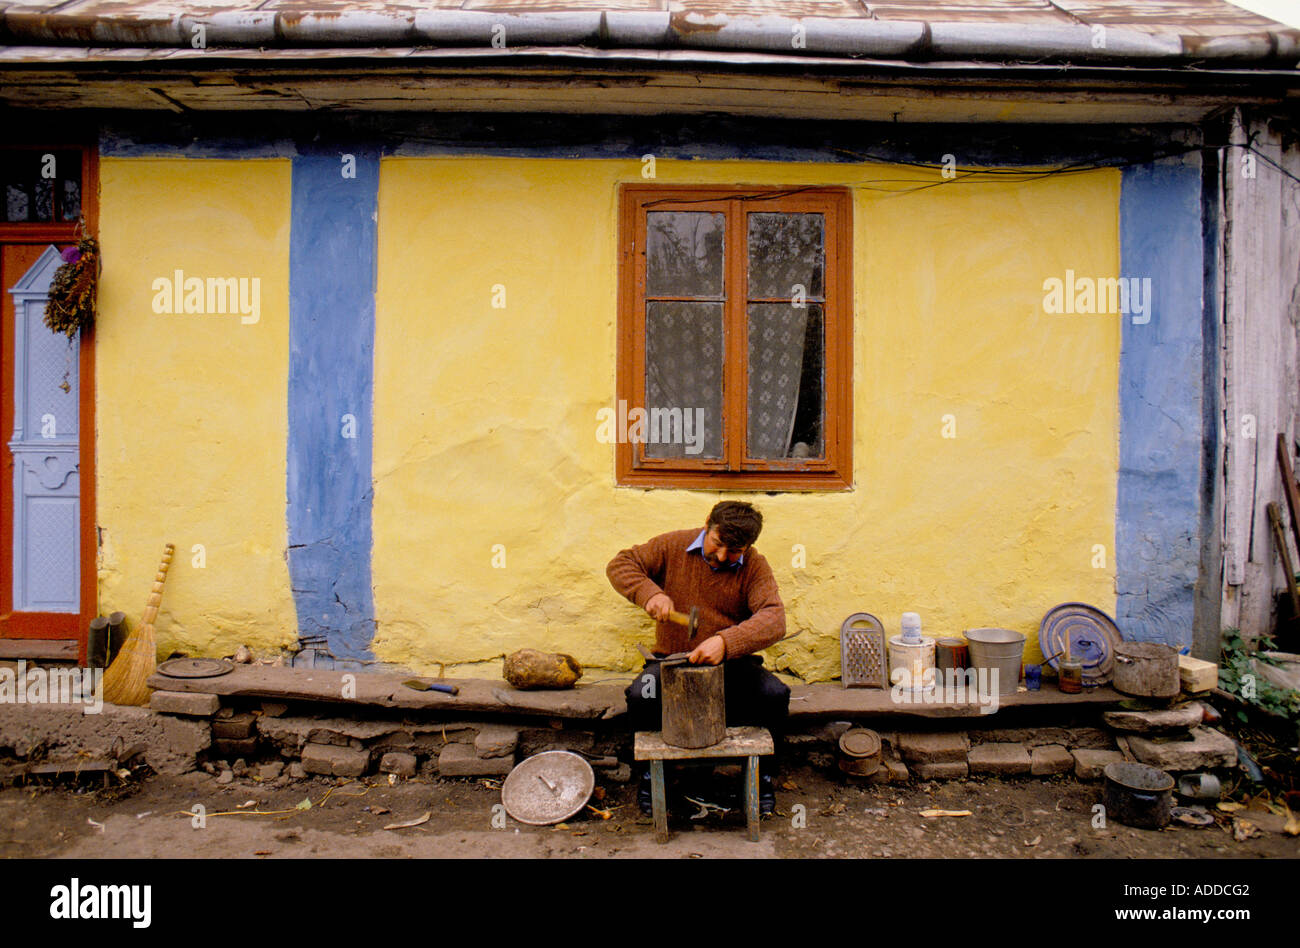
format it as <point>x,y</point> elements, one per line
<point>331,376</point>
<point>1158,507</point>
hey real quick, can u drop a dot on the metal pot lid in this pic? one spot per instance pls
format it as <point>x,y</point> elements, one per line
<point>860,742</point>
<point>196,667</point>
<point>548,788</point>
<point>1092,636</point>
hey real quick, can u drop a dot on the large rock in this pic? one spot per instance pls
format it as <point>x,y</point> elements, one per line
<point>190,704</point>
<point>1089,762</point>
<point>496,740</point>
<point>529,668</point>
<point>1155,722</point>
<point>933,747</point>
<point>1049,760</point>
<point>459,760</point>
<point>332,760</point>
<point>941,770</point>
<point>1206,749</point>
<point>1002,759</point>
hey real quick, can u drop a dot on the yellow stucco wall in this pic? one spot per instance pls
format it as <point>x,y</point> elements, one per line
<point>485,418</point>
<point>191,413</point>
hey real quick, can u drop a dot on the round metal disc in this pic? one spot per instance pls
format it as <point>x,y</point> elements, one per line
<point>548,788</point>
<point>196,667</point>
<point>860,742</point>
<point>1091,633</point>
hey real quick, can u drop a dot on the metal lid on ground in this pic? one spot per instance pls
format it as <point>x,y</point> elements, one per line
<point>196,667</point>
<point>1091,635</point>
<point>548,788</point>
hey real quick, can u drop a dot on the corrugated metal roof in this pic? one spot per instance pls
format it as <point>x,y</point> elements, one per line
<point>1064,40</point>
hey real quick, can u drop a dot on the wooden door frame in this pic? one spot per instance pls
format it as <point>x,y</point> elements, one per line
<point>11,625</point>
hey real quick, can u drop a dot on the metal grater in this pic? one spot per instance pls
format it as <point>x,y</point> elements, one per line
<point>862,651</point>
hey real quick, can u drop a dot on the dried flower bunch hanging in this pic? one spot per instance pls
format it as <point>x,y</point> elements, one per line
<point>71,303</point>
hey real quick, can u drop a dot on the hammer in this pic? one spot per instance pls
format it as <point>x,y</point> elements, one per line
<point>691,621</point>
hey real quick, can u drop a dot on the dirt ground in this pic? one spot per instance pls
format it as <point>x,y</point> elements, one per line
<point>153,816</point>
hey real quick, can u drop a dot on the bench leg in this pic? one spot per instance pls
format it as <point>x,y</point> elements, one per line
<point>658,800</point>
<point>751,797</point>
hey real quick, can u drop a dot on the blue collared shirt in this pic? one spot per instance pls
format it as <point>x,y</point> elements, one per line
<point>698,547</point>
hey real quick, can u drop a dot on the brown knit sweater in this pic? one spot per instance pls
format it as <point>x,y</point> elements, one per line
<point>742,605</point>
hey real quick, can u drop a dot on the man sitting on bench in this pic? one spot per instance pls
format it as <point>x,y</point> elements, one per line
<point>740,612</point>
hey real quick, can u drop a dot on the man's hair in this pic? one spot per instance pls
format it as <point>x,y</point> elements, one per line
<point>738,523</point>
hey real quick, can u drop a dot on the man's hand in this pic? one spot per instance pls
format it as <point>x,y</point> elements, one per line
<point>709,652</point>
<point>659,605</point>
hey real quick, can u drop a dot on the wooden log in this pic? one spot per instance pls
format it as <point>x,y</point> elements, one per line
<point>694,705</point>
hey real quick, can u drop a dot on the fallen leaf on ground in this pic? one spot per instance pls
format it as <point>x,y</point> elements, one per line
<point>603,814</point>
<point>98,826</point>
<point>1243,830</point>
<point>599,793</point>
<point>245,805</point>
<point>789,785</point>
<point>261,852</point>
<point>1033,842</point>
<point>929,814</point>
<point>1227,806</point>
<point>305,804</point>
<point>409,823</point>
<point>380,810</point>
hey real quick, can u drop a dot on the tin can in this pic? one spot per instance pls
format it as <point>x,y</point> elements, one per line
<point>951,654</point>
<point>1071,680</point>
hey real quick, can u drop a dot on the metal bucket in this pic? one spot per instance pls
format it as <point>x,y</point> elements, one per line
<point>1002,649</point>
<point>1147,670</point>
<point>1138,795</point>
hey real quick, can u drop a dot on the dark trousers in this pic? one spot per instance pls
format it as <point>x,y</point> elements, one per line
<point>755,697</point>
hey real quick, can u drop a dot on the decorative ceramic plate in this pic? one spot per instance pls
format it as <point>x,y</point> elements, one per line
<point>1091,634</point>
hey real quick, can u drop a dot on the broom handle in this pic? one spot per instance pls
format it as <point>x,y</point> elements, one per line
<point>155,595</point>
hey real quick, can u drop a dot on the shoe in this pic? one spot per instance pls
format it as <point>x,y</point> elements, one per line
<point>766,795</point>
<point>643,797</point>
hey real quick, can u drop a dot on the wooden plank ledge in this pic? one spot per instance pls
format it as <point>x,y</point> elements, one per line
<point>385,690</point>
<point>831,699</point>
<point>51,650</point>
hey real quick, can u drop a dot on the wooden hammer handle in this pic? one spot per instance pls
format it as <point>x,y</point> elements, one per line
<point>680,618</point>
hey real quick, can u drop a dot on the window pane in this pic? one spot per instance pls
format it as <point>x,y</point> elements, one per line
<point>785,381</point>
<point>32,180</point>
<point>786,251</point>
<point>71,206</point>
<point>684,253</point>
<point>683,380</point>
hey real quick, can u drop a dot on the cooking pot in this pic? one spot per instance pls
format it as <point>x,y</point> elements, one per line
<point>1146,670</point>
<point>1138,795</point>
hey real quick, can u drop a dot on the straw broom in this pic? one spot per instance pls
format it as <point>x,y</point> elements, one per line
<point>124,680</point>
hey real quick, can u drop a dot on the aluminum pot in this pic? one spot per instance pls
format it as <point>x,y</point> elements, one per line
<point>1146,670</point>
<point>1138,795</point>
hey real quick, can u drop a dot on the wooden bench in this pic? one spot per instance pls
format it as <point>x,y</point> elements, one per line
<point>747,742</point>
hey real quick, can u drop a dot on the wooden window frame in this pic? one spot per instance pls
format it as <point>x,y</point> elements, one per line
<point>733,471</point>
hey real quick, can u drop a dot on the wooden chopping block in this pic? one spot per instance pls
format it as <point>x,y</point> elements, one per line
<point>694,705</point>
